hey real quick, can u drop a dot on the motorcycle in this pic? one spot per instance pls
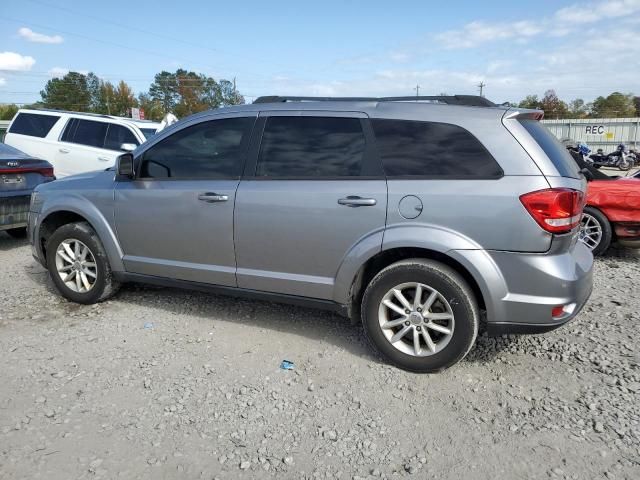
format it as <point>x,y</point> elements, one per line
<point>621,160</point>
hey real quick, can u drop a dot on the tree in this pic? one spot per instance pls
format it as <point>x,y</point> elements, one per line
<point>153,109</point>
<point>123,100</point>
<point>636,102</point>
<point>530,101</point>
<point>615,105</point>
<point>578,109</point>
<point>186,92</point>
<point>552,106</point>
<point>8,111</point>
<point>70,92</point>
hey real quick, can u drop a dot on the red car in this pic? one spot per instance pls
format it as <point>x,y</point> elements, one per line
<point>612,213</point>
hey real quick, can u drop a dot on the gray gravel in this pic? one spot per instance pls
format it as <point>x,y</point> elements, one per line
<point>89,392</point>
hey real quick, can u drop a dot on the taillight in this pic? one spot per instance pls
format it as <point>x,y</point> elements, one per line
<point>557,210</point>
<point>44,171</point>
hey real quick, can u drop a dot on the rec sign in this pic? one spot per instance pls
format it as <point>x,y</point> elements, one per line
<point>594,130</point>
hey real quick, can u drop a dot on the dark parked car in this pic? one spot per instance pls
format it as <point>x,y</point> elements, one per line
<point>19,175</point>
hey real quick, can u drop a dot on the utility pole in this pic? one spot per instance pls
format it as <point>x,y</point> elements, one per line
<point>481,85</point>
<point>417,89</point>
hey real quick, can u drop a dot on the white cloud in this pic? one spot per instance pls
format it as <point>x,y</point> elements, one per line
<point>562,22</point>
<point>14,62</point>
<point>35,37</point>
<point>595,12</point>
<point>56,72</point>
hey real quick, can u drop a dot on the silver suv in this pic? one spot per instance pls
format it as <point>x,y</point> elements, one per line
<point>417,215</point>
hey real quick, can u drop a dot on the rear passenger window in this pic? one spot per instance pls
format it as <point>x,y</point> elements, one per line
<point>311,147</point>
<point>559,156</point>
<point>430,149</point>
<point>90,133</point>
<point>213,149</point>
<point>117,135</point>
<point>33,124</point>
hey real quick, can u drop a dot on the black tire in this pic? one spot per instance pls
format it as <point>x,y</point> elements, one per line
<point>17,232</point>
<point>624,166</point>
<point>607,233</point>
<point>446,281</point>
<point>105,286</point>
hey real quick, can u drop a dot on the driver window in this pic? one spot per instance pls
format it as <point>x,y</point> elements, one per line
<point>212,149</point>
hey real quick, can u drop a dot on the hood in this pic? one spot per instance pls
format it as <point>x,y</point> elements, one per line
<point>82,181</point>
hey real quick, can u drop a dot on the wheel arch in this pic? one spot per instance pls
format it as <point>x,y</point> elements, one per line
<point>55,216</point>
<point>384,258</point>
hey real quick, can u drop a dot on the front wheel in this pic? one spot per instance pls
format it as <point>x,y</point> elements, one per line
<point>78,264</point>
<point>595,231</point>
<point>420,315</point>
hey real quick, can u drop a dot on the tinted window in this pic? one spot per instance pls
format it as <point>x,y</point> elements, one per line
<point>207,150</point>
<point>430,149</point>
<point>148,132</point>
<point>69,130</point>
<point>556,152</point>
<point>117,135</point>
<point>90,133</point>
<point>311,147</point>
<point>33,124</point>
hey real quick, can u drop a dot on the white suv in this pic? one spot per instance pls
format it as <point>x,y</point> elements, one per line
<point>76,142</point>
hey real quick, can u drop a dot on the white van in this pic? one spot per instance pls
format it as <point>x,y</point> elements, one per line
<point>76,142</point>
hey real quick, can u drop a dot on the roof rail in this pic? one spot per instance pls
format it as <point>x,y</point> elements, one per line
<point>467,100</point>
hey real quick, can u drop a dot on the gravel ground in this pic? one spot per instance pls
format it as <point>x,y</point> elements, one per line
<point>162,383</point>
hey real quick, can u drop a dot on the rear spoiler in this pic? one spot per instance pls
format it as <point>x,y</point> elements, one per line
<point>523,114</point>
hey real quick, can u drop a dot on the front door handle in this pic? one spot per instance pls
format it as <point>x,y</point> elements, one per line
<point>63,150</point>
<point>211,197</point>
<point>355,201</point>
<point>104,159</point>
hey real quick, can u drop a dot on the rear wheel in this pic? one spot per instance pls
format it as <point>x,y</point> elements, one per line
<point>17,232</point>
<point>420,315</point>
<point>595,231</point>
<point>78,264</point>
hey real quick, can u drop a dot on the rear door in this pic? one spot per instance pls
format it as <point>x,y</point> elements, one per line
<point>313,191</point>
<point>81,147</point>
<point>175,219</point>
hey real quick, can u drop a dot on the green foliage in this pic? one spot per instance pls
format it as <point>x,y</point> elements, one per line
<point>185,92</point>
<point>615,105</point>
<point>70,92</point>
<point>530,101</point>
<point>8,111</point>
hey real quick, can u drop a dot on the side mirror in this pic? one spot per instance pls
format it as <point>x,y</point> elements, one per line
<point>124,165</point>
<point>128,147</point>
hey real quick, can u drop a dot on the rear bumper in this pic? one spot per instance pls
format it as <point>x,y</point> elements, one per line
<point>521,289</point>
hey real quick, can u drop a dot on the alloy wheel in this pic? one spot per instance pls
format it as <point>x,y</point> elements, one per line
<point>76,265</point>
<point>590,231</point>
<point>416,319</point>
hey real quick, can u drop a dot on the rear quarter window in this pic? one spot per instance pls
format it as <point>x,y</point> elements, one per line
<point>410,148</point>
<point>559,156</point>
<point>33,124</point>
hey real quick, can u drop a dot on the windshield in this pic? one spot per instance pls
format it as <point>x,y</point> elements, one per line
<point>148,132</point>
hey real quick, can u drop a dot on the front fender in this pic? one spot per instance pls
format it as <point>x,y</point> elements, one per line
<point>76,203</point>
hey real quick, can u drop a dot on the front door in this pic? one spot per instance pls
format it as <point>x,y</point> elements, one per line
<point>175,220</point>
<point>317,191</point>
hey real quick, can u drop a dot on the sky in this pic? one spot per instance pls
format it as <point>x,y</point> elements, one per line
<point>582,49</point>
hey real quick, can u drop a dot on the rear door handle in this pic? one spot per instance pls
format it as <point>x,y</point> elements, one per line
<point>211,197</point>
<point>104,159</point>
<point>63,150</point>
<point>355,201</point>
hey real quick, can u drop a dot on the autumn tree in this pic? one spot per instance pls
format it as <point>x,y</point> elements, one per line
<point>552,106</point>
